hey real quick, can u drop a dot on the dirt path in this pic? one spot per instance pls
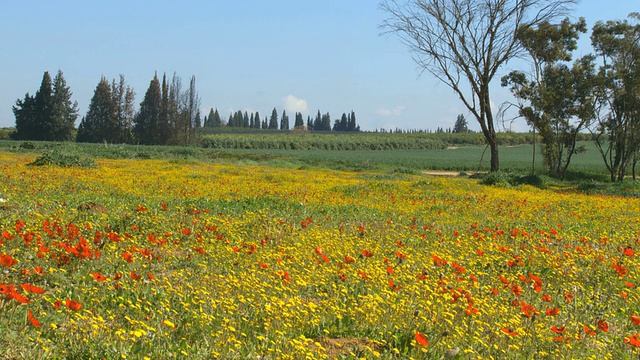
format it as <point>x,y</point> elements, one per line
<point>450,173</point>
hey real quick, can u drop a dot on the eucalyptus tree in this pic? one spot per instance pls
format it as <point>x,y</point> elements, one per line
<point>617,44</point>
<point>558,99</point>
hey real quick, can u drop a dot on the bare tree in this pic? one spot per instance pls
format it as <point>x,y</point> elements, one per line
<point>463,43</point>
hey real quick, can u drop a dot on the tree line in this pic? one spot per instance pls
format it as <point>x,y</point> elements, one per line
<point>168,114</point>
<point>322,122</point>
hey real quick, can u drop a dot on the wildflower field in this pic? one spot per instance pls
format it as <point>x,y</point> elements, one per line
<point>190,259</point>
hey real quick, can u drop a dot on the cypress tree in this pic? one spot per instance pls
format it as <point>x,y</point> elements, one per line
<point>123,97</point>
<point>284,121</point>
<point>208,121</point>
<point>101,121</point>
<point>299,122</point>
<point>146,123</point>
<point>43,109</point>
<point>273,121</point>
<point>64,112</point>
<point>26,122</point>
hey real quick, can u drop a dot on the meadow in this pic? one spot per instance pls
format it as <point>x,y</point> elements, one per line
<point>233,258</point>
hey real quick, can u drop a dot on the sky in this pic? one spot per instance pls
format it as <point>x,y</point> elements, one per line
<point>249,55</point>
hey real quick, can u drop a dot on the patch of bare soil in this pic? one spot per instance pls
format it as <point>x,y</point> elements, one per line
<point>92,207</point>
<point>442,173</point>
<point>450,173</point>
<point>8,207</point>
<point>345,346</point>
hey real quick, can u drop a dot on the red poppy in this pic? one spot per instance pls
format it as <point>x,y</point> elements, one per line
<point>568,297</point>
<point>628,252</point>
<point>528,310</point>
<point>480,252</point>
<point>603,325</point>
<point>7,260</point>
<point>558,330</point>
<point>286,277</point>
<point>57,304</point>
<point>33,320</point>
<point>421,339</point>
<point>547,298</point>
<point>98,277</point>
<point>509,331</point>
<point>73,305</point>
<point>394,286</point>
<point>38,270</point>
<point>633,341</point>
<point>553,312</point>
<point>620,269</point>
<point>400,255</point>
<point>389,270</point>
<point>127,257</point>
<point>588,330</point>
<point>135,276</point>
<point>18,297</point>
<point>367,253</point>
<point>362,274</point>
<point>635,319</point>
<point>32,288</point>
<point>629,284</point>
<point>348,259</point>
<point>263,265</point>
<point>516,290</point>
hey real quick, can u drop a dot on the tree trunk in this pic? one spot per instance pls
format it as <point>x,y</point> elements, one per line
<point>495,161</point>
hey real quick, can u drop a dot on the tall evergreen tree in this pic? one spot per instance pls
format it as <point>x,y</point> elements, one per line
<point>245,120</point>
<point>64,112</point>
<point>257,123</point>
<point>461,125</point>
<point>123,97</point>
<point>353,126</point>
<point>284,121</point>
<point>325,123</point>
<point>146,122</point>
<point>208,120</point>
<point>273,121</point>
<point>101,121</point>
<point>26,122</point>
<point>299,122</point>
<point>217,121</point>
<point>317,123</point>
<point>164,121</point>
<point>43,109</point>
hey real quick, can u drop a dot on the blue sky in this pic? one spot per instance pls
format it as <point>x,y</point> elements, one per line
<point>249,55</point>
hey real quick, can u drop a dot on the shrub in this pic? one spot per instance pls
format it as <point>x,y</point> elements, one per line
<point>57,158</point>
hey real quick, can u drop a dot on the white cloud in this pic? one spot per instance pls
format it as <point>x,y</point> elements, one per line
<point>384,112</point>
<point>293,105</point>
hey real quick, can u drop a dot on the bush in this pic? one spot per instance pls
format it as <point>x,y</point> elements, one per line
<point>57,158</point>
<point>498,178</point>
